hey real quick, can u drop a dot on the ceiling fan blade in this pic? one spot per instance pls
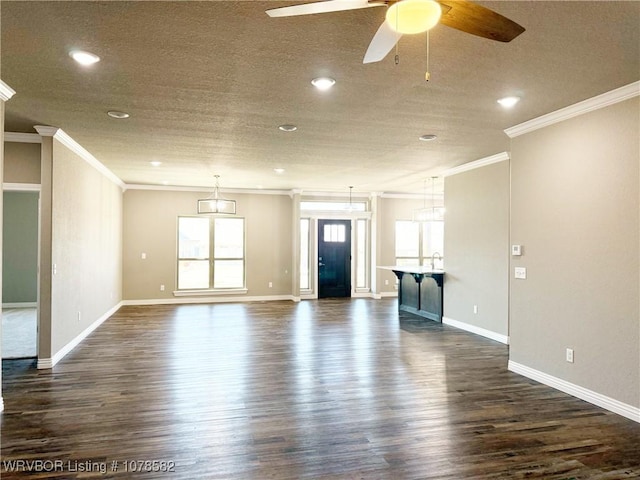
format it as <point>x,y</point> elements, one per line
<point>381,44</point>
<point>478,20</point>
<point>322,7</point>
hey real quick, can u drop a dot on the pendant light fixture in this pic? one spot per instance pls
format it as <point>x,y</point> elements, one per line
<point>350,204</point>
<point>429,214</point>
<point>215,204</point>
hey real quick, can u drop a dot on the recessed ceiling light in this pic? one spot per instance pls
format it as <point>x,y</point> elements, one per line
<point>278,170</point>
<point>508,102</point>
<point>165,182</point>
<point>323,83</point>
<point>428,137</point>
<point>84,58</point>
<point>288,128</point>
<point>156,163</point>
<point>118,115</point>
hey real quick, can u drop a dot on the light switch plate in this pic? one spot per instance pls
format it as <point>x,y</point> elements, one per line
<point>520,273</point>
<point>516,250</point>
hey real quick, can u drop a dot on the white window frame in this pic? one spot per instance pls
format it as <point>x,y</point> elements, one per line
<point>422,258</point>
<point>211,289</point>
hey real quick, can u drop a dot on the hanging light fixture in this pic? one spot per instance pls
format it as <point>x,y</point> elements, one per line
<point>429,214</point>
<point>350,204</point>
<point>413,16</point>
<point>214,204</point>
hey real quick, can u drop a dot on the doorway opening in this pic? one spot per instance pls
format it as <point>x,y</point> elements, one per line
<point>20,274</point>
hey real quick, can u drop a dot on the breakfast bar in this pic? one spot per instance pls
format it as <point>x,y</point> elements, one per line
<point>420,290</point>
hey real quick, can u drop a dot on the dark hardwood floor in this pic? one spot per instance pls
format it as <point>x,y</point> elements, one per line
<point>329,389</point>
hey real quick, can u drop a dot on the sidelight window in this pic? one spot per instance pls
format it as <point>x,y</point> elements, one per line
<point>305,259</point>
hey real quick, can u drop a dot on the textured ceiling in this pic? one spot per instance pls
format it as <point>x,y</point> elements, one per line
<point>208,83</point>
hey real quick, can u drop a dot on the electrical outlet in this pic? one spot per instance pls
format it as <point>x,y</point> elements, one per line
<point>270,284</point>
<point>386,282</point>
<point>143,256</point>
<point>475,309</point>
<point>570,355</point>
<point>162,288</point>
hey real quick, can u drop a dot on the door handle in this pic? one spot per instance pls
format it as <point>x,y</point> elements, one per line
<point>320,264</point>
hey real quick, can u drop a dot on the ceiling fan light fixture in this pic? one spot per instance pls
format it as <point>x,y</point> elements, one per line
<point>413,16</point>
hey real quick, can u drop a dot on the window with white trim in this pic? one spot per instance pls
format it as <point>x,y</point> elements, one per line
<point>419,243</point>
<point>361,254</point>
<point>211,253</point>
<point>305,260</point>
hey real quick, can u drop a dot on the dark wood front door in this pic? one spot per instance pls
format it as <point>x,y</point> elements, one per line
<point>334,258</point>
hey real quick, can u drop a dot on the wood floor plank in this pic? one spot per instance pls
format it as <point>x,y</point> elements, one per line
<point>328,389</point>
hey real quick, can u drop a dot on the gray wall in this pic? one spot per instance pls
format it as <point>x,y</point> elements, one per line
<point>86,246</point>
<point>150,226</point>
<point>390,210</point>
<point>1,209</point>
<point>477,247</point>
<point>575,209</point>
<point>20,247</point>
<point>22,162</point>
<point>150,223</point>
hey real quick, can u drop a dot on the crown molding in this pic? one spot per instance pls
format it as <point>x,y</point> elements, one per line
<point>609,98</point>
<point>45,130</point>
<point>75,147</point>
<point>18,137</point>
<point>295,191</point>
<point>6,92</point>
<point>344,194</point>
<point>177,188</point>
<point>406,196</point>
<point>483,162</point>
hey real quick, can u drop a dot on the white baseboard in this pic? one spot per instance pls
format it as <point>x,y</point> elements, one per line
<point>608,403</point>
<point>388,294</point>
<point>48,363</point>
<point>361,295</point>
<point>230,299</point>
<point>20,305</point>
<point>498,337</point>
<point>44,364</point>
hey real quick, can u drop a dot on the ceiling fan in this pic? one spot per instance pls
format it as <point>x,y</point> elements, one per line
<point>415,16</point>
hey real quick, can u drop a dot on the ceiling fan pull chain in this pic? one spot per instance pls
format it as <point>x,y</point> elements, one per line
<point>397,58</point>
<point>427,75</point>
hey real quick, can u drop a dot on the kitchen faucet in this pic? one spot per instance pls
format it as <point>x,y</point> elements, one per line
<point>433,259</point>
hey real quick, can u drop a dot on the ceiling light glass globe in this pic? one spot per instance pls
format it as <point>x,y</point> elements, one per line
<point>413,16</point>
